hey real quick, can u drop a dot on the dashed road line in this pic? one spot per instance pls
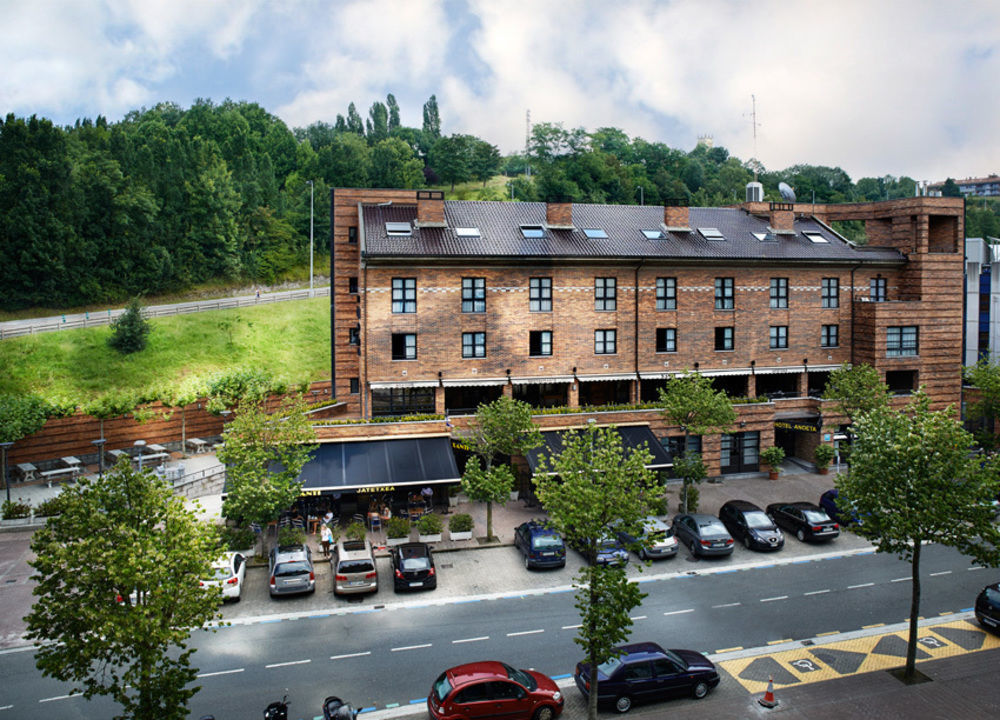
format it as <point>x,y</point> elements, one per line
<point>976,567</point>
<point>411,647</point>
<point>817,592</point>
<point>524,632</point>
<point>221,672</point>
<point>725,605</point>
<point>679,612</point>
<point>862,585</point>
<point>772,599</point>
<point>60,697</point>
<point>943,572</point>
<point>638,617</point>
<point>571,627</point>
<point>286,664</point>
<point>351,655</point>
<point>902,579</point>
<point>468,640</point>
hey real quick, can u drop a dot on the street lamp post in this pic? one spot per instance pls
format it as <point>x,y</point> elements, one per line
<point>6,476</point>
<point>100,456</point>
<point>312,188</point>
<point>140,444</point>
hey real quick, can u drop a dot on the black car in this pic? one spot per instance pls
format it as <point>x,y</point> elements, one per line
<point>807,520</point>
<point>988,607</point>
<point>750,525</point>
<point>541,545</point>
<point>645,672</point>
<point>703,534</point>
<point>413,567</point>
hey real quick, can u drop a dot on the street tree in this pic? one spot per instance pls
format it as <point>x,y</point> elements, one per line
<point>264,456</point>
<point>21,416</point>
<point>112,404</point>
<point>180,395</point>
<point>984,407</point>
<point>118,593</point>
<point>591,489</point>
<point>856,390</point>
<point>914,481</point>
<point>130,329</point>
<point>692,404</point>
<point>500,428</point>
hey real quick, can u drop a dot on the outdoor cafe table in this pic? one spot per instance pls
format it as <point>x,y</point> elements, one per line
<point>27,471</point>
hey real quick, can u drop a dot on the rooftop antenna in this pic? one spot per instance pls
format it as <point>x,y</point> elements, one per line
<point>527,141</point>
<point>753,120</point>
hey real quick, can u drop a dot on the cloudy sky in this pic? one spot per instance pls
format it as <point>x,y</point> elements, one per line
<point>900,87</point>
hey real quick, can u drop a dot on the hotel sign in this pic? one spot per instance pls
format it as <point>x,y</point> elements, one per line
<point>799,425</point>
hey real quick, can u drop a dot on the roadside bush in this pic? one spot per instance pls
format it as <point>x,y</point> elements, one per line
<point>692,499</point>
<point>13,509</point>
<point>129,330</point>
<point>430,524</point>
<point>460,522</point>
<point>49,508</point>
<point>823,455</point>
<point>658,505</point>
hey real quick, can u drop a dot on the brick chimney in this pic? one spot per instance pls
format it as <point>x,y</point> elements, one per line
<point>559,215</point>
<point>430,208</point>
<point>782,218</point>
<point>676,217</point>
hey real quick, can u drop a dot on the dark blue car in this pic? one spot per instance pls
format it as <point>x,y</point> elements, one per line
<point>541,546</point>
<point>645,672</point>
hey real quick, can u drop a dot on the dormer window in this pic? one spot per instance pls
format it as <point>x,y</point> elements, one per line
<point>766,237</point>
<point>653,234</point>
<point>595,234</point>
<point>710,233</point>
<point>467,232</point>
<point>398,229</point>
<point>815,237</point>
<point>532,231</point>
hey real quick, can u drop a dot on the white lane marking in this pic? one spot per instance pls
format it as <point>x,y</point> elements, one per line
<point>779,597</point>
<point>411,647</point>
<point>571,627</point>
<point>6,707</point>
<point>679,612</point>
<point>525,632</point>
<point>350,655</point>
<point>221,672</point>
<point>862,585</point>
<point>906,579</point>
<point>977,567</point>
<point>943,572</point>
<point>286,664</point>
<point>638,617</point>
<point>468,640</point>
<point>817,592</point>
<point>726,605</point>
<point>59,697</point>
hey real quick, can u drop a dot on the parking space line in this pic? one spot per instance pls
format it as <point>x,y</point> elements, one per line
<point>524,632</point>
<point>286,664</point>
<point>468,640</point>
<point>350,655</point>
<point>411,647</point>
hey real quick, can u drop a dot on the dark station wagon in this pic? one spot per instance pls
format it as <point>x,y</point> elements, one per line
<point>541,546</point>
<point>807,520</point>
<point>645,672</point>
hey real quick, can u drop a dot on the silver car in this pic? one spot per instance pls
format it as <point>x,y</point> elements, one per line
<point>291,570</point>
<point>354,569</point>
<point>656,540</point>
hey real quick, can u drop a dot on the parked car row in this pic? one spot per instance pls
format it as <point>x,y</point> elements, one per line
<point>636,673</point>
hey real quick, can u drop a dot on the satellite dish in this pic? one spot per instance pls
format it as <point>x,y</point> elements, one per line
<point>787,193</point>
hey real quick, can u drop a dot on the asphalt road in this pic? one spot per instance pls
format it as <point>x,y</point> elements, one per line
<point>383,657</point>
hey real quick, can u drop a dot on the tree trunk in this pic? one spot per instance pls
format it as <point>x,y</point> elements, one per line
<point>489,520</point>
<point>183,432</point>
<point>911,646</point>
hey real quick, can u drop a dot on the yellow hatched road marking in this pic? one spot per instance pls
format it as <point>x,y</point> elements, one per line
<point>779,642</point>
<point>732,649</point>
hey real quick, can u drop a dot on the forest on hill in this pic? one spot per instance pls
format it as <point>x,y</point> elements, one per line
<point>167,198</point>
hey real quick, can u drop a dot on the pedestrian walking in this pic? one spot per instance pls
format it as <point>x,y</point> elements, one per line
<point>258,294</point>
<point>326,537</point>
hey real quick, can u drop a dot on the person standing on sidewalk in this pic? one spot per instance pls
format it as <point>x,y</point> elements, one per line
<point>325,538</point>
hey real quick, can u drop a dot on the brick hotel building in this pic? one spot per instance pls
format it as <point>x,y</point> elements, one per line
<point>437,306</point>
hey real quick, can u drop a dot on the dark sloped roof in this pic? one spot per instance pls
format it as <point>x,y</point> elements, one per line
<point>499,224</point>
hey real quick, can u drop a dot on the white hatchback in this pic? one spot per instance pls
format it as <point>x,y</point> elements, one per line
<point>227,573</point>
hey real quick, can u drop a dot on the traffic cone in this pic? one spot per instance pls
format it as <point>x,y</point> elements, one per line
<point>768,700</point>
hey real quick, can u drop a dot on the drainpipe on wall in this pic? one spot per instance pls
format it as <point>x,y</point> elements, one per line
<point>852,313</point>
<point>635,341</point>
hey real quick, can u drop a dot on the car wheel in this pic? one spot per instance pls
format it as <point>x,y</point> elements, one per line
<point>691,546</point>
<point>700,690</point>
<point>746,541</point>
<point>623,704</point>
<point>543,713</point>
<point>801,535</point>
<point>527,563</point>
<point>643,555</point>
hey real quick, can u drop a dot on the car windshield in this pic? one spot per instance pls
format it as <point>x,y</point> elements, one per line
<point>222,573</point>
<point>355,566</point>
<point>546,541</point>
<point>519,676</point>
<point>416,563</point>
<point>441,687</point>
<point>657,536</point>
<point>607,544</point>
<point>291,568</point>
<point>993,595</point>
<point>712,527</point>
<point>815,516</point>
<point>758,520</point>
<point>609,666</point>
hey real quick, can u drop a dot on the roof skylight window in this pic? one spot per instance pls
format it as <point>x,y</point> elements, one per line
<point>532,231</point>
<point>766,237</point>
<point>398,229</point>
<point>467,232</point>
<point>595,233</point>
<point>653,234</point>
<point>710,233</point>
<point>815,237</point>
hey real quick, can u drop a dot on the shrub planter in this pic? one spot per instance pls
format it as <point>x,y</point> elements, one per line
<point>429,528</point>
<point>396,541</point>
<point>15,522</point>
<point>397,531</point>
<point>466,535</point>
<point>436,537</point>
<point>460,527</point>
<point>513,495</point>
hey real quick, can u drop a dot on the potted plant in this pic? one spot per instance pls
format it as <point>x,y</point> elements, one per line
<point>429,528</point>
<point>16,512</point>
<point>453,491</point>
<point>460,527</point>
<point>356,530</point>
<point>397,531</point>
<point>50,508</point>
<point>823,455</point>
<point>773,456</point>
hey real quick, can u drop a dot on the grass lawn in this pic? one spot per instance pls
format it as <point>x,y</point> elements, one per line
<point>291,340</point>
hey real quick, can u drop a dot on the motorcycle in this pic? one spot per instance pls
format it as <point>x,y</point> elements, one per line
<point>277,710</point>
<point>336,709</point>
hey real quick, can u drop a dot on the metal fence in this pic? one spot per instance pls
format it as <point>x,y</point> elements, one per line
<point>18,328</point>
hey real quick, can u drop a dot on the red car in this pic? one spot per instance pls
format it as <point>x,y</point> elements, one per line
<point>493,689</point>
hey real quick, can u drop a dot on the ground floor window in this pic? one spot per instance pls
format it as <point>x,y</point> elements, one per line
<point>740,452</point>
<point>402,401</point>
<point>465,400</point>
<point>542,395</point>
<point>611,392</point>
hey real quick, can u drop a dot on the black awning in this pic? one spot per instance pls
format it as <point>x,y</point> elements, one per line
<point>632,436</point>
<point>382,463</point>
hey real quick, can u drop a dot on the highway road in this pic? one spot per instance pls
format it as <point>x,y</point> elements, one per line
<point>380,658</point>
